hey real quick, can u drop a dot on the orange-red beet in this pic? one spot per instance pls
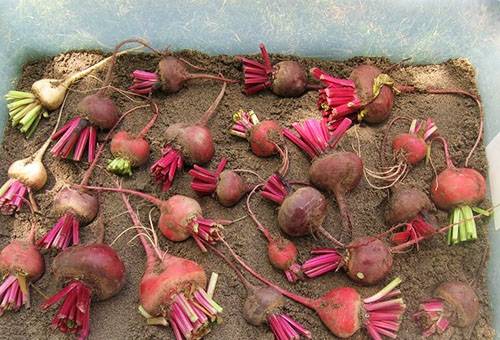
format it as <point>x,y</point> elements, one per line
<point>194,141</point>
<point>176,214</point>
<point>282,253</point>
<point>22,256</point>
<point>263,138</point>
<point>136,150</point>
<point>410,146</point>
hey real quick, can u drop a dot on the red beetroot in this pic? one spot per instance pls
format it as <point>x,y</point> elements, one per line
<point>408,149</point>
<point>227,185</point>
<point>285,79</point>
<point>454,304</point>
<point>191,144</point>
<point>458,190</point>
<point>410,208</point>
<point>180,217</point>
<point>173,288</point>
<point>282,253</point>
<point>344,312</point>
<point>131,151</point>
<point>20,265</point>
<point>337,172</point>
<point>171,77</point>
<point>93,271</point>
<point>263,305</point>
<point>366,96</point>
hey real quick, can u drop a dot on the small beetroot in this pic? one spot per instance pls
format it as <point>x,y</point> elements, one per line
<point>454,304</point>
<point>285,79</point>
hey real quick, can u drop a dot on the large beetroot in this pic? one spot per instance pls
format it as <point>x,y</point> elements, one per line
<point>186,143</point>
<point>20,264</point>
<point>285,79</point>
<point>173,288</point>
<point>344,312</point>
<point>92,271</point>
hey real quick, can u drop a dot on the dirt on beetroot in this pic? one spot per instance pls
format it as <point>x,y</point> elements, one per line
<point>421,271</point>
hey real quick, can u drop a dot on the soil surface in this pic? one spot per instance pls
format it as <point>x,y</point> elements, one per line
<point>457,119</point>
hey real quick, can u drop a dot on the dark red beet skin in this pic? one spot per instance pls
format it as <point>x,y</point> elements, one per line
<point>136,150</point>
<point>263,138</point>
<point>81,204</point>
<point>230,188</point>
<point>410,146</point>
<point>461,303</point>
<point>100,110</point>
<point>97,265</point>
<point>288,79</point>
<point>22,256</point>
<point>260,302</point>
<point>302,212</point>
<point>405,204</point>
<point>368,261</point>
<point>337,171</point>
<point>379,109</point>
<point>176,214</point>
<point>456,186</point>
<point>194,141</point>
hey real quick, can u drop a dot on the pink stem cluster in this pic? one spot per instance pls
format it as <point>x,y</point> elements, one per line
<point>14,192</point>
<point>205,181</point>
<point>337,99</point>
<point>65,233</point>
<point>244,121</point>
<point>286,328</point>
<point>163,170</point>
<point>431,317</point>
<point>205,230</point>
<point>11,296</point>
<point>314,137</point>
<point>414,230</point>
<point>275,189</point>
<point>75,137</point>
<point>324,260</point>
<point>383,313</point>
<point>425,129</point>
<point>257,75</point>
<point>74,314</point>
<point>144,82</point>
<point>190,318</point>
<point>293,273</point>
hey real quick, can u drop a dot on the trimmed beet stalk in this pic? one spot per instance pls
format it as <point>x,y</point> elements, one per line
<point>458,190</point>
<point>264,305</point>
<point>180,217</point>
<point>172,289</point>
<point>336,172</point>
<point>130,151</point>
<point>171,77</point>
<point>93,271</point>
<point>408,150</point>
<point>284,79</point>
<point>227,185</point>
<point>454,304</point>
<point>301,212</point>
<point>282,253</point>
<point>367,95</point>
<point>185,143</point>
<point>344,312</point>
<point>20,265</point>
<point>410,208</point>
<point>97,111</point>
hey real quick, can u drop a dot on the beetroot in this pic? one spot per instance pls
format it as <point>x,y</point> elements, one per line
<point>282,253</point>
<point>344,312</point>
<point>458,190</point>
<point>285,79</point>
<point>454,304</point>
<point>173,288</point>
<point>337,172</point>
<point>408,149</point>
<point>180,217</point>
<point>20,265</point>
<point>191,144</point>
<point>131,151</point>
<point>171,77</point>
<point>227,185</point>
<point>263,305</point>
<point>93,271</point>
<point>410,208</point>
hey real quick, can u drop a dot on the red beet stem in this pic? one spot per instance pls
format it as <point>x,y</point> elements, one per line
<point>259,225</point>
<point>275,189</point>
<point>211,110</point>
<point>151,122</point>
<point>64,233</point>
<point>344,212</point>
<point>205,181</point>
<point>257,75</point>
<point>329,237</point>
<point>449,161</point>
<point>210,76</point>
<point>150,198</point>
<point>324,260</point>
<point>165,168</point>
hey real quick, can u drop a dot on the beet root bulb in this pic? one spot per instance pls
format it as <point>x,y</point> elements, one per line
<point>369,260</point>
<point>100,110</point>
<point>128,152</point>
